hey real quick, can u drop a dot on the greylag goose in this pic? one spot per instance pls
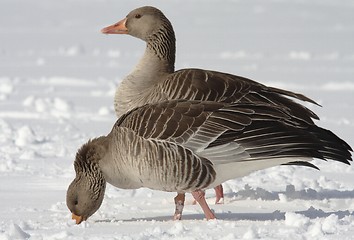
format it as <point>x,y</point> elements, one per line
<point>154,78</point>
<point>187,146</point>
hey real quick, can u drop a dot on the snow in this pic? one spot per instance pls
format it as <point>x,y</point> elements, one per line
<point>57,80</point>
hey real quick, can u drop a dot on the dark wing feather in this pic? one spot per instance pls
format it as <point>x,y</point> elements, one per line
<point>198,84</point>
<point>304,164</point>
<point>257,131</point>
<point>172,120</point>
<point>273,133</point>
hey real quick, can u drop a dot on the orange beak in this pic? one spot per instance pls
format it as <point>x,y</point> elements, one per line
<point>118,28</point>
<point>78,219</point>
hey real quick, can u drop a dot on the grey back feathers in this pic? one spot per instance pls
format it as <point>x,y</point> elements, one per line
<point>154,79</point>
<point>196,84</point>
<point>263,131</point>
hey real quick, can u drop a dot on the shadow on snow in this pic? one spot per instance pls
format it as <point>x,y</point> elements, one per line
<point>262,194</point>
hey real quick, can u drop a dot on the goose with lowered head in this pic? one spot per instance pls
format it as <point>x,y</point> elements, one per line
<point>188,146</point>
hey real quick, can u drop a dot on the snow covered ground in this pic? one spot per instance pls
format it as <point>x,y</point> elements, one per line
<point>58,74</point>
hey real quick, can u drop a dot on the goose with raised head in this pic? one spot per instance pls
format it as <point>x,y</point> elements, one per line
<point>154,78</point>
<point>188,146</point>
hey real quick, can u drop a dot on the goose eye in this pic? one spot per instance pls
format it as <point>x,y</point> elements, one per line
<point>76,202</point>
<point>137,16</point>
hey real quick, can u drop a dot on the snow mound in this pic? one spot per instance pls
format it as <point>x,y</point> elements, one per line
<point>296,220</point>
<point>25,136</point>
<point>56,106</point>
<point>6,87</point>
<point>15,232</point>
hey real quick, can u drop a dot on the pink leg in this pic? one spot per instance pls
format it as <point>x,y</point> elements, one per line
<point>199,196</point>
<point>179,201</point>
<point>219,192</point>
<point>195,200</point>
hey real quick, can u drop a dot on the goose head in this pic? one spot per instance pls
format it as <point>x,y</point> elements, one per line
<point>142,23</point>
<point>85,193</point>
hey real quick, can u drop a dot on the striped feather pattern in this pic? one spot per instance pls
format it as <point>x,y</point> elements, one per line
<point>234,133</point>
<point>185,146</point>
<point>162,165</point>
<point>154,79</point>
<point>199,84</point>
<point>87,167</point>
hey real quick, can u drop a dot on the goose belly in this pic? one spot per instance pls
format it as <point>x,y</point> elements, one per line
<point>239,169</point>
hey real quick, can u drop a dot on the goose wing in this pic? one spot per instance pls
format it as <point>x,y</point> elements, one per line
<point>199,84</point>
<point>235,132</point>
<point>226,141</point>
